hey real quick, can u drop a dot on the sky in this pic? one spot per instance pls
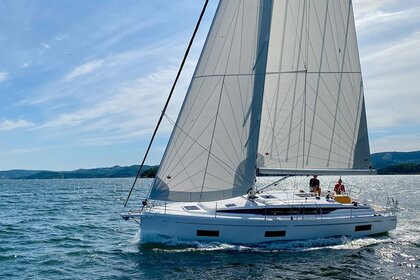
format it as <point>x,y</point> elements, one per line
<point>82,83</point>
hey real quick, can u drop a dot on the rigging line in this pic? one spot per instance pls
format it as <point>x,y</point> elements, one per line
<point>318,80</point>
<point>208,150</point>
<point>213,25</point>
<point>341,76</point>
<point>282,106</point>
<point>192,126</point>
<point>297,65</point>
<point>169,98</point>
<point>170,163</point>
<point>231,30</point>
<point>279,77</point>
<point>212,137</point>
<point>328,110</point>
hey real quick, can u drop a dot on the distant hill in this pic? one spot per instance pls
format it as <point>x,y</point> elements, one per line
<point>384,163</point>
<point>150,173</point>
<point>408,168</point>
<point>17,173</point>
<point>386,159</point>
<point>106,172</point>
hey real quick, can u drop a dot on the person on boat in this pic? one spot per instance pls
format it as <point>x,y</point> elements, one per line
<point>339,187</point>
<point>314,185</point>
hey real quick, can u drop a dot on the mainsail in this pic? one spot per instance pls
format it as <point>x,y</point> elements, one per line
<point>314,112</point>
<point>278,86</point>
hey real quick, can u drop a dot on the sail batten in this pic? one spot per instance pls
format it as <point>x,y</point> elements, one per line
<point>307,172</point>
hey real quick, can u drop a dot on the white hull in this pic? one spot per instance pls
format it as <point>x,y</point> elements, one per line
<point>273,217</point>
<point>155,227</point>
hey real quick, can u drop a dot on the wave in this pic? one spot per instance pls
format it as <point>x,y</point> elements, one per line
<point>163,243</point>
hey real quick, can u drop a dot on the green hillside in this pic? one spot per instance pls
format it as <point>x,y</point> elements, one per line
<point>384,163</point>
<point>408,168</point>
<point>386,159</point>
<point>106,172</point>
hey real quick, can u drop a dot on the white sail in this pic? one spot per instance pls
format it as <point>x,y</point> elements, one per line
<point>280,79</point>
<point>211,153</point>
<point>313,113</point>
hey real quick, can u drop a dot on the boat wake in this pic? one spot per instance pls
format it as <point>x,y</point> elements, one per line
<point>161,243</point>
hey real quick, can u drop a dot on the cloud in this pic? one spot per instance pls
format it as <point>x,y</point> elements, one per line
<point>96,76</point>
<point>391,83</point>
<point>4,76</point>
<point>12,125</point>
<point>126,112</point>
<point>45,45</point>
<point>406,142</point>
<point>394,57</point>
<point>373,16</point>
<point>84,69</point>
<point>129,111</point>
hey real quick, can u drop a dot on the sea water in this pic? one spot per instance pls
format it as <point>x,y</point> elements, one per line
<point>71,229</point>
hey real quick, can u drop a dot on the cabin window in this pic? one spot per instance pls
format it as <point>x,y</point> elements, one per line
<point>191,207</point>
<point>230,205</point>
<point>278,233</point>
<point>213,233</point>
<point>363,228</point>
<point>268,196</point>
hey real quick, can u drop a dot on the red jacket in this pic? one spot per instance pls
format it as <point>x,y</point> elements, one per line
<point>339,188</point>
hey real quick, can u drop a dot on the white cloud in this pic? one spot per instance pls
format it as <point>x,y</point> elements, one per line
<point>4,76</point>
<point>391,83</point>
<point>131,105</point>
<point>108,72</point>
<point>127,112</point>
<point>373,16</point>
<point>394,57</point>
<point>84,69</point>
<point>405,142</point>
<point>14,124</point>
<point>45,45</point>
<point>61,37</point>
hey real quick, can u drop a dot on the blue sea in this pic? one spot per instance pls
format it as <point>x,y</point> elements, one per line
<point>71,229</point>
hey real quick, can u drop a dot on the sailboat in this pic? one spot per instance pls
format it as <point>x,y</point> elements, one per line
<point>277,91</point>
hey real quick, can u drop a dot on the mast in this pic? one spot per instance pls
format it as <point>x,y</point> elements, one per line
<point>260,76</point>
